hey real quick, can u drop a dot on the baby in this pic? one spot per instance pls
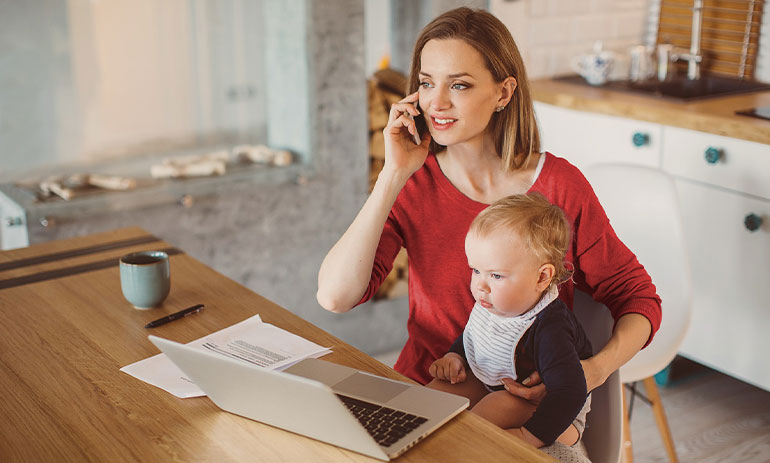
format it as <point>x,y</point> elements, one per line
<point>515,249</point>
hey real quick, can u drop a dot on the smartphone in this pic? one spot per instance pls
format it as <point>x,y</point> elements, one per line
<point>417,140</point>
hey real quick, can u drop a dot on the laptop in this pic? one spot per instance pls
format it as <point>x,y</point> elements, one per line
<point>368,414</point>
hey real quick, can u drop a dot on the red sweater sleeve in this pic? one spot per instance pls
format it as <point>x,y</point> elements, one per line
<point>387,250</point>
<point>624,286</point>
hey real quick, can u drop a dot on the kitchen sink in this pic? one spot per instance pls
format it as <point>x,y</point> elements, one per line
<point>681,89</point>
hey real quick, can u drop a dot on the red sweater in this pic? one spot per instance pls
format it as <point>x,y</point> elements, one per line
<point>430,218</point>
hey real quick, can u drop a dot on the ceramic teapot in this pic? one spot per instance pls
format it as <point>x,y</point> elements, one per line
<point>596,66</point>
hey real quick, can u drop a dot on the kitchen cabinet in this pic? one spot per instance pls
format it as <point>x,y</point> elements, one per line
<point>737,165</point>
<point>723,186</point>
<point>730,267</point>
<point>724,193</point>
<point>587,138</point>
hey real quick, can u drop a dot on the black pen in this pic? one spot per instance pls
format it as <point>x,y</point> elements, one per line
<point>175,316</point>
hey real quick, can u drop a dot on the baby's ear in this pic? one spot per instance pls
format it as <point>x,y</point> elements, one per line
<point>545,276</point>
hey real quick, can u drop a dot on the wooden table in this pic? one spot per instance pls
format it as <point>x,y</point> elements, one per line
<point>66,331</point>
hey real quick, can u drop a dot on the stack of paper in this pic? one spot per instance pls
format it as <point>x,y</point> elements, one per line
<point>250,341</point>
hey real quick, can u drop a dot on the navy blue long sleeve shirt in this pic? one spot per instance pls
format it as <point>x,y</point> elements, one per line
<point>554,346</point>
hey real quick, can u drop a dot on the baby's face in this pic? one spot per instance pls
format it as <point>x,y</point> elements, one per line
<point>505,274</point>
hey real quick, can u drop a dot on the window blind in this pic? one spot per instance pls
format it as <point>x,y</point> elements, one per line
<point>730,33</point>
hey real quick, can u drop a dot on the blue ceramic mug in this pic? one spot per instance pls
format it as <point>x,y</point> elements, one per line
<point>145,278</point>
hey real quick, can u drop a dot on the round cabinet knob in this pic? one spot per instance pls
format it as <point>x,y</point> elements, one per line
<point>712,155</point>
<point>640,139</point>
<point>752,222</point>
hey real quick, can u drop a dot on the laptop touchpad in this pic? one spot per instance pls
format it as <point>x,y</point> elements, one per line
<point>372,387</point>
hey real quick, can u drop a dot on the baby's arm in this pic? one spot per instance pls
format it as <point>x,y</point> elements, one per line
<point>452,375</point>
<point>558,362</point>
<point>451,367</point>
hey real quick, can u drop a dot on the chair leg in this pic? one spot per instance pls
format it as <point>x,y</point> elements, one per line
<point>627,452</point>
<point>657,408</point>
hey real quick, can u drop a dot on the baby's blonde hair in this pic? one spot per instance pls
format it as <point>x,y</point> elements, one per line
<point>542,227</point>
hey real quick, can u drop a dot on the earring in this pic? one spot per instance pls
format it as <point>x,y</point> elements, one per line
<point>499,108</point>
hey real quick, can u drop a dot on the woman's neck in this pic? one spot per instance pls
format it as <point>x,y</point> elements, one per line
<point>477,171</point>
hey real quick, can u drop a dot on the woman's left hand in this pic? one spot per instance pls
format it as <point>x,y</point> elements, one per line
<point>531,389</point>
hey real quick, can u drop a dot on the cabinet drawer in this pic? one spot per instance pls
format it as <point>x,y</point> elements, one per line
<point>730,268</point>
<point>739,165</point>
<point>588,138</point>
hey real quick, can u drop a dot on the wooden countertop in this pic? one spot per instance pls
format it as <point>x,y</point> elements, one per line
<point>712,115</point>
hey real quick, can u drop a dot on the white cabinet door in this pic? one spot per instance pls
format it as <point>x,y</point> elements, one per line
<point>730,328</point>
<point>585,138</point>
<point>738,165</point>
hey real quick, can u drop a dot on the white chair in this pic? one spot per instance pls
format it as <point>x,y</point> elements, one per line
<point>642,206</point>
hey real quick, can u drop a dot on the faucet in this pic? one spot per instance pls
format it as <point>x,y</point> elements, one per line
<point>667,53</point>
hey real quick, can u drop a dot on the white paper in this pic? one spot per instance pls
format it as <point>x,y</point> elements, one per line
<point>250,341</point>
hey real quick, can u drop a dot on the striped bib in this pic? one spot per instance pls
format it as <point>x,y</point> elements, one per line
<point>490,340</point>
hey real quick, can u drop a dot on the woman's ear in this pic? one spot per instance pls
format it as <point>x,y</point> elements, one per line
<point>507,87</point>
<point>545,276</point>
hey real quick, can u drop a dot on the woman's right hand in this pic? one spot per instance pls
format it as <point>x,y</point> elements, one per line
<point>347,269</point>
<point>402,155</point>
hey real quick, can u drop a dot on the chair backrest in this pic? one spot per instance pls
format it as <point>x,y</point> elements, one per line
<point>643,208</point>
<point>603,434</point>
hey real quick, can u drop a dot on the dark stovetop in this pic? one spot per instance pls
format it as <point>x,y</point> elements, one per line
<point>762,112</point>
<point>680,89</point>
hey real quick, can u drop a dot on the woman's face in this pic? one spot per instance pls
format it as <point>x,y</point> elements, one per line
<point>458,94</point>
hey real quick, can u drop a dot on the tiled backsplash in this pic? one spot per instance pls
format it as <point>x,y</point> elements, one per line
<point>557,30</point>
<point>551,32</point>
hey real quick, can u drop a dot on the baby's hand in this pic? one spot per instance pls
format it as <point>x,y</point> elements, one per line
<point>448,368</point>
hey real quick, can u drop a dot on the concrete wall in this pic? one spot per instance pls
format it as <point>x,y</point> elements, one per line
<point>408,17</point>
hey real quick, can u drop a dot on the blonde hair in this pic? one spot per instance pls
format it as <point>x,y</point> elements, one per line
<point>514,129</point>
<point>541,226</point>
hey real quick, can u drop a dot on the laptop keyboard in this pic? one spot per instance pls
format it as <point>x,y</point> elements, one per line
<point>385,424</point>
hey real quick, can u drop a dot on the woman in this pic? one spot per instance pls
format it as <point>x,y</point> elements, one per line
<point>469,92</point>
